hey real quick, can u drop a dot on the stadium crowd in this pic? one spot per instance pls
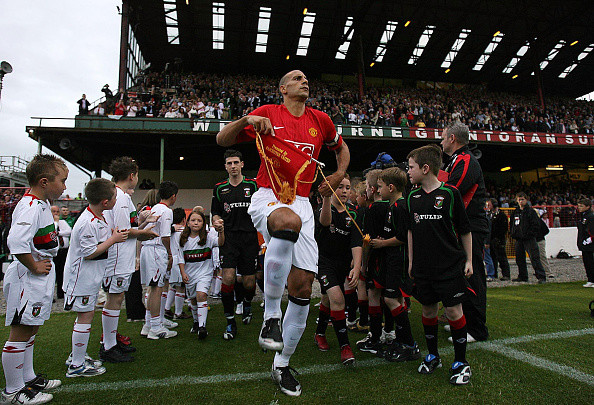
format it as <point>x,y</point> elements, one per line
<point>213,96</point>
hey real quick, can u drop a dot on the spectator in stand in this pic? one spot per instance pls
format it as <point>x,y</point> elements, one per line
<point>524,228</point>
<point>120,108</point>
<point>499,227</point>
<point>132,109</point>
<point>83,105</point>
<point>472,105</point>
<point>107,92</point>
<point>585,238</point>
<point>79,196</point>
<point>65,215</point>
<point>100,110</point>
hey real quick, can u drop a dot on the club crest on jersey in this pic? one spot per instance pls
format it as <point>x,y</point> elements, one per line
<point>85,300</point>
<point>247,192</point>
<point>324,280</point>
<point>54,236</point>
<point>348,222</point>
<point>438,202</point>
<point>36,309</point>
<point>227,207</point>
<point>120,281</point>
<point>313,132</point>
<point>417,218</point>
<point>389,216</point>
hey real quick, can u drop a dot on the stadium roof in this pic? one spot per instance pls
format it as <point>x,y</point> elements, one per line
<point>498,43</point>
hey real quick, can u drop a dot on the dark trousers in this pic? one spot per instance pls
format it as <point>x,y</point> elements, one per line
<point>475,309</point>
<point>134,307</point>
<point>530,246</point>
<point>499,257</point>
<point>588,259</point>
<point>59,262</point>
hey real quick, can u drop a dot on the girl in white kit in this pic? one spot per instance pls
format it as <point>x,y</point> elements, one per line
<point>196,265</point>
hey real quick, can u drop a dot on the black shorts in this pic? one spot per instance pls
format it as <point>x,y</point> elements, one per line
<point>389,275</point>
<point>332,273</point>
<point>240,252</point>
<point>375,274</point>
<point>450,292</point>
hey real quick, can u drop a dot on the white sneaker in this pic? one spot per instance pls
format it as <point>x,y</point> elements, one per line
<point>97,363</point>
<point>162,333</point>
<point>388,337</point>
<point>589,284</point>
<point>42,384</point>
<point>26,395</point>
<point>239,309</point>
<point>169,324</point>
<point>365,339</point>
<point>87,369</point>
<point>469,338</point>
<point>145,329</point>
<point>447,328</point>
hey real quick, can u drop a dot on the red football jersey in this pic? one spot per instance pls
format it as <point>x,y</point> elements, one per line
<point>308,133</point>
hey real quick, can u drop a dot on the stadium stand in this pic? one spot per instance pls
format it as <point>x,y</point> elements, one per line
<point>210,96</point>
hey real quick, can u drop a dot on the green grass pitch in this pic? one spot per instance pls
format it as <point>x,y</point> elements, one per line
<point>536,366</point>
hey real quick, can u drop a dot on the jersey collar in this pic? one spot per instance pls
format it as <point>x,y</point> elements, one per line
<point>94,215</point>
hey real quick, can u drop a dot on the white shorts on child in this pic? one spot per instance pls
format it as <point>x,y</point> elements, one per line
<point>28,296</point>
<point>200,283</point>
<point>80,303</point>
<point>117,284</point>
<point>153,265</point>
<point>305,253</point>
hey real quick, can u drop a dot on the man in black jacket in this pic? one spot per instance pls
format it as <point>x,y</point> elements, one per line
<point>464,172</point>
<point>499,227</point>
<point>585,236</point>
<point>83,105</point>
<point>524,228</point>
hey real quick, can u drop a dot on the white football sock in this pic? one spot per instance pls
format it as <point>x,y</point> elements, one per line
<point>170,297</point>
<point>162,307</point>
<point>28,372</point>
<point>179,303</point>
<point>155,323</point>
<point>80,341</point>
<point>13,358</point>
<point>277,265</point>
<point>110,318</point>
<point>194,310</point>
<point>202,313</point>
<point>293,326</point>
<point>218,283</point>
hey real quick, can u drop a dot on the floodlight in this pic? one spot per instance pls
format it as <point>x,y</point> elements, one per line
<point>5,68</point>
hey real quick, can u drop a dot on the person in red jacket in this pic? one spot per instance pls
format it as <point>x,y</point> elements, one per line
<point>465,173</point>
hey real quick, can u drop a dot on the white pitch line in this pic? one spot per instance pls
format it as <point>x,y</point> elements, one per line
<point>540,362</point>
<point>315,369</point>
